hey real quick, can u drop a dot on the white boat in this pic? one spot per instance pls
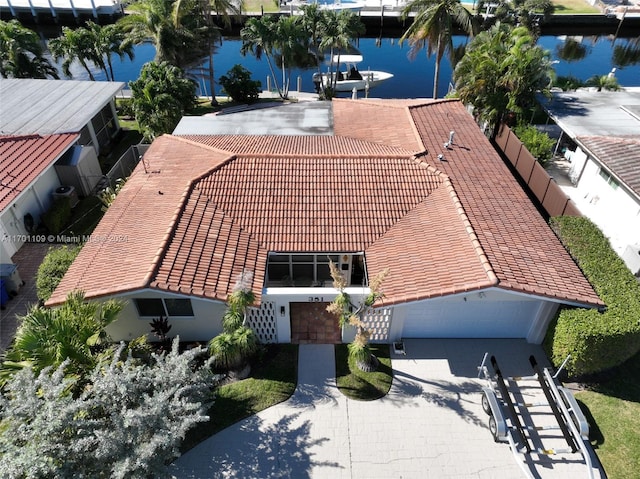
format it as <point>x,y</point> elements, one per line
<point>351,77</point>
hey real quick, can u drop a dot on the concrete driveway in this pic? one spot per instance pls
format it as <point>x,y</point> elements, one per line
<point>430,425</point>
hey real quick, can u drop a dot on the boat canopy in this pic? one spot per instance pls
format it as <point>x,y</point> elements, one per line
<point>347,58</point>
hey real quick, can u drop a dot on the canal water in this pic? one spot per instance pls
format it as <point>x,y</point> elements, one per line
<point>413,75</point>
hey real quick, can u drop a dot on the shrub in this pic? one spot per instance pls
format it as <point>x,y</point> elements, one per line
<point>57,217</point>
<point>237,83</point>
<point>537,142</point>
<point>597,341</point>
<point>53,267</point>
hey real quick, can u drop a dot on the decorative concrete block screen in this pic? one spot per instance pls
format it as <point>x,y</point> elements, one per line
<point>378,321</point>
<point>263,321</point>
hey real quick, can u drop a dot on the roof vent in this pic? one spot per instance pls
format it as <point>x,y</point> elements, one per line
<point>450,142</point>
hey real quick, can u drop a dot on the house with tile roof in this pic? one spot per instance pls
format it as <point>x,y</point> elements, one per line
<point>51,132</point>
<point>600,136</point>
<point>468,253</point>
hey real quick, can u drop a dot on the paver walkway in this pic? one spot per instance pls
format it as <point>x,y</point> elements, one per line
<point>430,425</point>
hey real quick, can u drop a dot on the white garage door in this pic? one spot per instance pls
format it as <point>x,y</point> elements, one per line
<point>469,319</point>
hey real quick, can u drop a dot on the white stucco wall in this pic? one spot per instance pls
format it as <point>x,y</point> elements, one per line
<point>615,211</point>
<point>204,325</point>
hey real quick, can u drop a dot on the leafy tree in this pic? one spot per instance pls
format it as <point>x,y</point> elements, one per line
<point>22,54</point>
<point>501,73</point>
<point>75,45</point>
<point>160,97</point>
<point>537,142</point>
<point>348,313</point>
<point>74,331</point>
<point>239,85</point>
<point>127,422</point>
<point>53,267</point>
<point>433,27</point>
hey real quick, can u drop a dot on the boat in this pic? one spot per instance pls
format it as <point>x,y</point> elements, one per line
<point>351,77</point>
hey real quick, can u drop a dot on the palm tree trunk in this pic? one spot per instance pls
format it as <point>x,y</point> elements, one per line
<point>86,67</point>
<point>436,75</point>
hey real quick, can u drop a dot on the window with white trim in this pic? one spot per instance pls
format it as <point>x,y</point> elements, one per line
<point>168,307</point>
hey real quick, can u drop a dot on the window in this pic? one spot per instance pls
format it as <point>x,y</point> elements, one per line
<point>156,307</point>
<point>606,176</point>
<point>299,269</point>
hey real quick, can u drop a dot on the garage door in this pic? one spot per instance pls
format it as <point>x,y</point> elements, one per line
<point>473,319</point>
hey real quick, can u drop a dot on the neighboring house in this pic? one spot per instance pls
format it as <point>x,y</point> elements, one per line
<point>601,139</point>
<point>27,180</point>
<point>468,253</point>
<point>50,133</point>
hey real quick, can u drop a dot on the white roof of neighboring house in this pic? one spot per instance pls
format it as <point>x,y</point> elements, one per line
<point>596,113</point>
<point>48,107</point>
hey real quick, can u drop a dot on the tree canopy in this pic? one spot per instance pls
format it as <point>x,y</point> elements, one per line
<point>501,73</point>
<point>127,421</point>
<point>22,53</point>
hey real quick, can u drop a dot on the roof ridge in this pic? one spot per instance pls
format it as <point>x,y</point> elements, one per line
<point>204,146</point>
<point>482,256</point>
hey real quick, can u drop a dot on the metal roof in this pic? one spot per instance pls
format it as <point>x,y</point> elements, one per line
<point>596,113</point>
<point>48,107</point>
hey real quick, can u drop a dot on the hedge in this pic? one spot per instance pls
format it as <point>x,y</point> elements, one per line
<point>597,341</point>
<point>53,267</point>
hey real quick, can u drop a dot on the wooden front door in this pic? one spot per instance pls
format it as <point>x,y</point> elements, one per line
<point>312,323</point>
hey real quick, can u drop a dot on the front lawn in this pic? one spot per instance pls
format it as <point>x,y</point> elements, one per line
<point>356,384</point>
<point>273,379</point>
<point>613,407</point>
<point>571,7</point>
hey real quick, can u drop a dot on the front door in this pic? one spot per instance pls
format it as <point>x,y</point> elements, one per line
<point>312,323</point>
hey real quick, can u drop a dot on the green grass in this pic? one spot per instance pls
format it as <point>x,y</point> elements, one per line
<point>269,6</point>
<point>612,406</point>
<point>273,380</point>
<point>570,7</point>
<point>357,384</point>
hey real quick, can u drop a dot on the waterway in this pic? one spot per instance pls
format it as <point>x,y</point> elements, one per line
<point>413,75</point>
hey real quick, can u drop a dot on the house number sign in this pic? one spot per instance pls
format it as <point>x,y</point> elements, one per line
<point>316,299</point>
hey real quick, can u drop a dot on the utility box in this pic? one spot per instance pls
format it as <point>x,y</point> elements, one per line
<point>80,168</point>
<point>11,278</point>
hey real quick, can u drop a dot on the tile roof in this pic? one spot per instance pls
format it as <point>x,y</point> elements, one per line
<point>443,227</point>
<point>523,252</point>
<point>620,155</point>
<point>24,158</point>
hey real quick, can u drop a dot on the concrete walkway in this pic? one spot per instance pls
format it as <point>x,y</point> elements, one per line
<point>430,425</point>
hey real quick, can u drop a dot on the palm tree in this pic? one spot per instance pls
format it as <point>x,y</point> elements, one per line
<point>604,82</point>
<point>164,23</point>
<point>224,10</point>
<point>337,30</point>
<point>75,44</point>
<point>433,26</point>
<point>22,53</point>
<point>48,336</point>
<point>259,38</point>
<point>107,40</point>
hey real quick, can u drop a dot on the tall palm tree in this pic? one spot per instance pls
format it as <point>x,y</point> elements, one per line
<point>433,27</point>
<point>22,53</point>
<point>259,37</point>
<point>48,336</point>
<point>108,40</point>
<point>337,30</point>
<point>225,10</point>
<point>72,45</point>
<point>165,24</point>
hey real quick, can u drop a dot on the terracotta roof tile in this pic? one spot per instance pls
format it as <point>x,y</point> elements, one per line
<point>521,248</point>
<point>24,158</point>
<point>620,155</point>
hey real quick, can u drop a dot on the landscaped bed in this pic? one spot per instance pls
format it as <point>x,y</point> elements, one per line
<point>357,384</point>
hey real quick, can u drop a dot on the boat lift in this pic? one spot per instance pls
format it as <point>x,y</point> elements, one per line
<point>505,422</point>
